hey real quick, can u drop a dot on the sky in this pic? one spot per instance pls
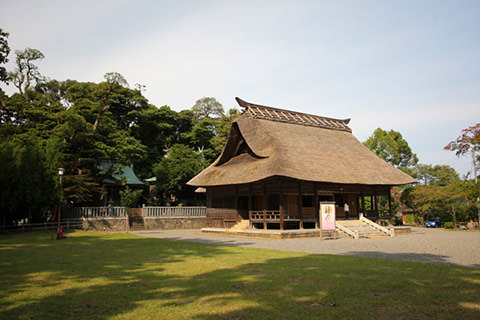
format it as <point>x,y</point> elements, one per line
<point>410,66</point>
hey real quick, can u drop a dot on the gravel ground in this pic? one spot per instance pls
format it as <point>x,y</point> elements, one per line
<point>460,248</point>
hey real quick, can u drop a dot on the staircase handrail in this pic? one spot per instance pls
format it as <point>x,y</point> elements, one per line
<point>347,231</point>
<point>390,232</point>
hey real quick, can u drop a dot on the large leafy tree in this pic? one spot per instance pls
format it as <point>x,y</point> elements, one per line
<point>469,142</point>
<point>4,52</point>
<point>439,175</point>
<point>27,184</point>
<point>446,201</point>
<point>392,147</point>
<point>26,74</point>
<point>207,107</point>
<point>179,165</point>
<point>75,125</point>
<point>222,129</point>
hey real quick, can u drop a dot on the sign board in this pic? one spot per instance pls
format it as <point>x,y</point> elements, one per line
<point>327,215</point>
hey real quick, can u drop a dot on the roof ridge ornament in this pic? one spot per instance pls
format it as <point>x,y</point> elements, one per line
<point>282,115</point>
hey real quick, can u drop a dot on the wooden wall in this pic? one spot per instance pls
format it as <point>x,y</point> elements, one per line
<point>291,190</point>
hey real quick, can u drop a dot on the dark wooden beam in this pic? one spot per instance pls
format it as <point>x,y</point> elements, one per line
<point>250,205</point>
<point>264,206</point>
<point>281,204</point>
<point>237,215</point>
<point>300,213</point>
<point>389,202</point>
<point>317,206</point>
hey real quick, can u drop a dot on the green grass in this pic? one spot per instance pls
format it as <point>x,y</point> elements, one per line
<point>122,276</point>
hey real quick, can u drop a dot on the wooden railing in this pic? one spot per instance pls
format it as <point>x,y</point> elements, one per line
<point>174,211</point>
<point>267,215</point>
<point>380,214</point>
<point>354,234</point>
<point>390,232</point>
<point>270,216</point>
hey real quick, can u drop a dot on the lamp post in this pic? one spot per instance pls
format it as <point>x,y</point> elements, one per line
<point>60,174</point>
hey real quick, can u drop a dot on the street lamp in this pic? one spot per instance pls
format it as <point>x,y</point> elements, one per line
<point>60,174</point>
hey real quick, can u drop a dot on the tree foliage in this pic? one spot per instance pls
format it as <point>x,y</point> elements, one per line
<point>26,73</point>
<point>469,141</point>
<point>4,52</point>
<point>77,125</point>
<point>174,170</point>
<point>207,107</point>
<point>391,147</point>
<point>438,175</point>
<point>130,198</point>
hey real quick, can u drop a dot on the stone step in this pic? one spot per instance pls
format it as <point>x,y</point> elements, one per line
<point>242,225</point>
<point>363,229</point>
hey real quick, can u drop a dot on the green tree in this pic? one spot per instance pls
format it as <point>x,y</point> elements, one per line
<point>130,198</point>
<point>28,187</point>
<point>440,175</point>
<point>26,73</point>
<point>179,165</point>
<point>450,201</point>
<point>207,107</point>
<point>469,142</point>
<point>390,146</point>
<point>8,182</point>
<point>222,128</point>
<point>4,52</point>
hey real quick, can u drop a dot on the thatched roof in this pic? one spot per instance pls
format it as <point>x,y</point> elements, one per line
<point>265,142</point>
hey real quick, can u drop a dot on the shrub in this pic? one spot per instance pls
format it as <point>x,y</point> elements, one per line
<point>397,221</point>
<point>448,225</point>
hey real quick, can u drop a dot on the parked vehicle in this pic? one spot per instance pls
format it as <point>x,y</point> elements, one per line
<point>434,223</point>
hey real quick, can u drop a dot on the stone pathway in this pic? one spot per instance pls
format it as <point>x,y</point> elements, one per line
<point>460,248</point>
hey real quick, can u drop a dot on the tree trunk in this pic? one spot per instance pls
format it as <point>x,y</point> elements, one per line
<point>476,185</point>
<point>454,216</point>
<point>99,117</point>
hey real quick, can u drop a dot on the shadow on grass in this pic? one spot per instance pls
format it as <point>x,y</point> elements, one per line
<point>414,257</point>
<point>100,276</point>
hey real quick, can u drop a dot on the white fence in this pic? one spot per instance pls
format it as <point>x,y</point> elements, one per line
<point>94,212</point>
<point>112,212</point>
<point>174,211</point>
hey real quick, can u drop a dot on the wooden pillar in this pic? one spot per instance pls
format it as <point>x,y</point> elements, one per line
<point>376,201</point>
<point>300,213</point>
<point>250,206</point>
<point>317,206</point>
<point>389,202</point>
<point>362,200</point>
<point>282,207</point>
<point>264,206</point>
<point>237,215</point>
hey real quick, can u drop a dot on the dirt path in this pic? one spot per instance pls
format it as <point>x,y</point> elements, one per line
<point>459,248</point>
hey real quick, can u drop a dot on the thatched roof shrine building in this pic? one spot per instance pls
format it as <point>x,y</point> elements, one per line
<point>277,165</point>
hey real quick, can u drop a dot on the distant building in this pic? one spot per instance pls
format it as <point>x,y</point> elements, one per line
<point>116,178</point>
<point>278,165</point>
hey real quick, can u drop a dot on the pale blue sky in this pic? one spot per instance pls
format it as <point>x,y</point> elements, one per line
<point>411,66</point>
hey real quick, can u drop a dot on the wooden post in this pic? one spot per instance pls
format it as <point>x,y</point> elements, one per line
<point>237,215</point>
<point>389,203</point>
<point>376,201</point>
<point>282,208</point>
<point>317,207</point>
<point>264,206</point>
<point>250,206</point>
<point>362,200</point>
<point>300,213</point>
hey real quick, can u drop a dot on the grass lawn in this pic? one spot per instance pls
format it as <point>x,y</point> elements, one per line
<point>122,276</point>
